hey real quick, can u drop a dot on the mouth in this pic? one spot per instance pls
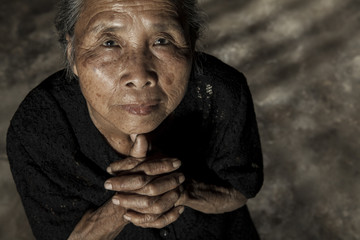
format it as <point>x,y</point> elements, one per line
<point>140,109</point>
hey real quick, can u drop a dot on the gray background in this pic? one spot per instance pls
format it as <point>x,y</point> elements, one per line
<point>302,61</point>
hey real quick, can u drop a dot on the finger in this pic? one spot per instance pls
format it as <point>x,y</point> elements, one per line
<point>127,182</point>
<point>146,204</point>
<point>163,204</point>
<point>140,147</point>
<point>151,221</point>
<point>124,165</point>
<point>140,218</point>
<point>161,185</point>
<point>158,166</point>
<point>134,201</point>
<point>183,196</point>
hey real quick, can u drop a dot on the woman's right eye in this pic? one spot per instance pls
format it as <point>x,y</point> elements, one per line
<point>110,43</point>
<point>162,41</point>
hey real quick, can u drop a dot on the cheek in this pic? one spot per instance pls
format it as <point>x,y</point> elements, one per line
<point>97,77</point>
<point>175,82</point>
<point>98,66</point>
<point>99,63</point>
<point>177,91</point>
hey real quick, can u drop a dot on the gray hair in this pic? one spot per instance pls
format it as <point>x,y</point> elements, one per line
<point>69,12</point>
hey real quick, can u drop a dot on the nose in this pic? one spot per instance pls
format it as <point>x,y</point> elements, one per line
<point>139,72</point>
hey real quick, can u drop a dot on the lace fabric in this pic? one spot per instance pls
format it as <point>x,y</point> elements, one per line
<point>58,158</point>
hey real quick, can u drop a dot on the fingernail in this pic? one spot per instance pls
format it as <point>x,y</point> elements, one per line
<point>127,217</point>
<point>181,178</point>
<point>176,163</point>
<point>115,201</point>
<point>181,210</point>
<point>108,186</point>
<point>108,169</point>
<point>133,137</point>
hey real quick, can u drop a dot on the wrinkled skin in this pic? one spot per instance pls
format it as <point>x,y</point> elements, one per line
<point>133,63</point>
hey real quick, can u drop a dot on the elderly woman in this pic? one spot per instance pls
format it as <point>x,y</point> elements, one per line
<point>141,137</point>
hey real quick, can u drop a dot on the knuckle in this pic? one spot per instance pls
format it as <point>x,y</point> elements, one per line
<point>138,220</point>
<point>174,195</point>
<point>146,168</point>
<point>151,190</point>
<point>157,209</point>
<point>140,180</point>
<point>145,225</point>
<point>131,162</point>
<point>173,180</point>
<point>148,218</point>
<point>164,166</point>
<point>165,220</point>
<point>148,202</point>
<point>121,165</point>
<point>154,168</point>
<point>173,218</point>
<point>159,224</point>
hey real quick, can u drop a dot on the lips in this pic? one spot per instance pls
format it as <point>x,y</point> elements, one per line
<point>140,109</point>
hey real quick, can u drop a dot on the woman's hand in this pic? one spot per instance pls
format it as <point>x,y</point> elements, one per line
<point>149,200</point>
<point>211,199</point>
<point>147,189</point>
<point>147,192</point>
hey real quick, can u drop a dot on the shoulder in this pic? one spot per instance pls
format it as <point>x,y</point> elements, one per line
<point>42,96</point>
<point>215,79</point>
<point>40,113</point>
<point>216,86</point>
<point>212,67</point>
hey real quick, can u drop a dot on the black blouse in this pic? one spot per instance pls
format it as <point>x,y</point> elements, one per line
<point>58,157</point>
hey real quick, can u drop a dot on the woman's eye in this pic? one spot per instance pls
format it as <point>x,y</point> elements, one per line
<point>162,41</point>
<point>110,43</point>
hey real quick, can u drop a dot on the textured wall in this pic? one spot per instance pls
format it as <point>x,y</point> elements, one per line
<point>302,61</point>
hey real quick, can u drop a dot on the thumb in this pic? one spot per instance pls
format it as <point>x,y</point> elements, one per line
<point>140,146</point>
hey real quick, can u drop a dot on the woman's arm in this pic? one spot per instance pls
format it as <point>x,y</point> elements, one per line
<point>211,199</point>
<point>104,223</point>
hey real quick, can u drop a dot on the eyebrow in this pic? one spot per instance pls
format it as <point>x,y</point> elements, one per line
<point>167,26</point>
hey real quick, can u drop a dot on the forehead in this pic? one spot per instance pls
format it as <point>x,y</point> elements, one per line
<point>129,4</point>
<point>118,10</point>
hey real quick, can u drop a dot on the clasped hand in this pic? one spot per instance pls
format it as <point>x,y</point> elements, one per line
<point>147,187</point>
<point>152,193</point>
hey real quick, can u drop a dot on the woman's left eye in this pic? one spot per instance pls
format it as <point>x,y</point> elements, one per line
<point>110,43</point>
<point>162,41</point>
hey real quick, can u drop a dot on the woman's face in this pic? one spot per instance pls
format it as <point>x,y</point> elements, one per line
<point>133,63</point>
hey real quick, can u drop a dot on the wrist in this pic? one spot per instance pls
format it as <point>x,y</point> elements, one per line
<point>210,199</point>
<point>104,223</point>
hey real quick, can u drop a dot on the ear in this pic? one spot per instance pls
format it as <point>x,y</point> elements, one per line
<point>69,51</point>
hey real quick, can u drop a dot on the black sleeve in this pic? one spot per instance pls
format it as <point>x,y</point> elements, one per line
<point>235,149</point>
<point>54,182</point>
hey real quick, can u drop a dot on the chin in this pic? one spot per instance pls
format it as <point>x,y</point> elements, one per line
<point>141,126</point>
